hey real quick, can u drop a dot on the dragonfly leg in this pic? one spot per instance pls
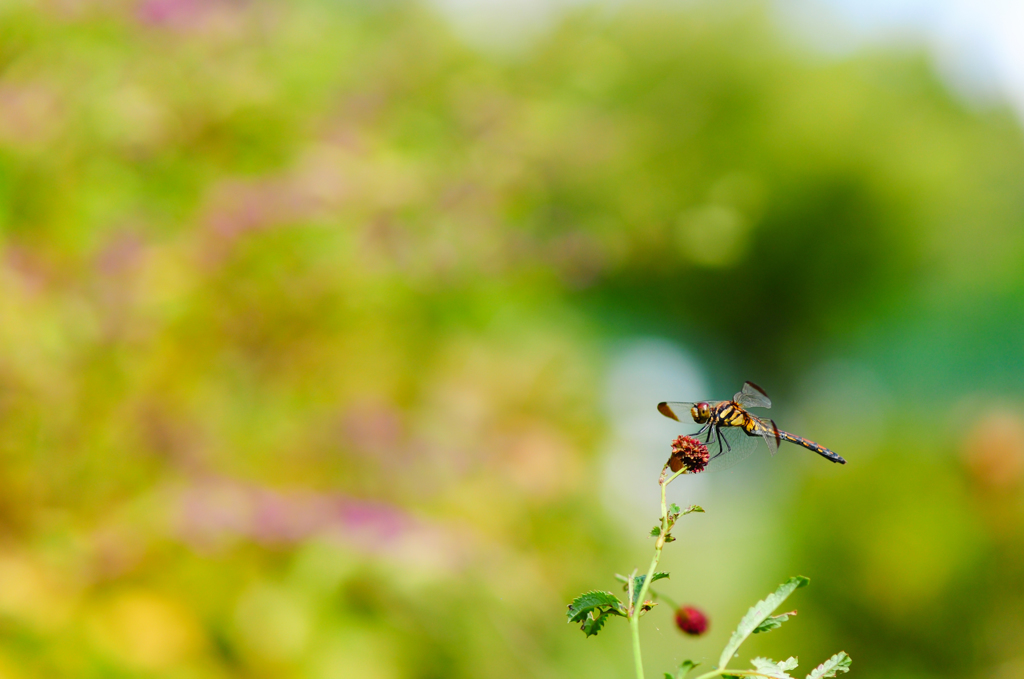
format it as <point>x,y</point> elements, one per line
<point>711,431</point>
<point>722,440</point>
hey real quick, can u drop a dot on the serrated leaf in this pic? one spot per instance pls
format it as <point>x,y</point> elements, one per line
<point>638,582</point>
<point>674,508</point>
<point>656,531</point>
<point>770,668</point>
<point>592,625</point>
<point>757,614</point>
<point>773,622</point>
<point>585,603</point>
<point>693,508</point>
<point>684,668</point>
<point>840,662</point>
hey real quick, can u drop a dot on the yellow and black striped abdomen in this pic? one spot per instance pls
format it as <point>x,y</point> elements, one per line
<point>811,445</point>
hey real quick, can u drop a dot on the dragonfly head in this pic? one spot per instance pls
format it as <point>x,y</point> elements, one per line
<point>701,412</point>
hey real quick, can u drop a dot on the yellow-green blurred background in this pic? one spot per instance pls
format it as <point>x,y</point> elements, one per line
<point>331,334</point>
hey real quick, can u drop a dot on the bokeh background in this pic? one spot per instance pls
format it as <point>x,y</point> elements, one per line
<point>331,332</point>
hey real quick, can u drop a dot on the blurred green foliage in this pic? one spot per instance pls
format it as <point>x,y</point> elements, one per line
<point>306,306</point>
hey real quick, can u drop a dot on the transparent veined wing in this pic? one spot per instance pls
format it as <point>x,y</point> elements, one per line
<point>752,396</point>
<point>680,410</point>
<point>734,444</point>
<point>729,449</point>
<point>768,431</point>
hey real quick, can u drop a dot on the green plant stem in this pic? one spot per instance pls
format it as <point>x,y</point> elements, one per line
<point>668,600</point>
<point>637,602</point>
<point>731,673</point>
<point>661,596</point>
<point>634,629</point>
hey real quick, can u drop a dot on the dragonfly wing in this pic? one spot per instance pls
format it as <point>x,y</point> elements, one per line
<point>680,410</point>
<point>752,396</point>
<point>731,448</point>
<point>769,432</point>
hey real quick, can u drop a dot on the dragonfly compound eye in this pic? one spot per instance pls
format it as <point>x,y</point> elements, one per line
<point>700,412</point>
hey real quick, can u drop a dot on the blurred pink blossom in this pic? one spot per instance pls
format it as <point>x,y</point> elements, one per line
<point>123,252</point>
<point>372,428</point>
<point>29,268</point>
<point>168,12</point>
<point>217,511</point>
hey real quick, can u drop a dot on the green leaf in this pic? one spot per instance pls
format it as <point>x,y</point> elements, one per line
<point>674,508</point>
<point>638,582</point>
<point>585,603</point>
<point>757,614</point>
<point>773,622</point>
<point>684,668</point>
<point>591,625</point>
<point>656,531</point>
<point>840,662</point>
<point>691,509</point>
<point>770,668</point>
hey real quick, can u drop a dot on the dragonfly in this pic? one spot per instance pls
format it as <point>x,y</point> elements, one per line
<point>731,433</point>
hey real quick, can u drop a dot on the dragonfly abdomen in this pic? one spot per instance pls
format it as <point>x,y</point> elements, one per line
<point>811,445</point>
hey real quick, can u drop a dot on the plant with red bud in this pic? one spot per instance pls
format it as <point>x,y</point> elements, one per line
<point>689,455</point>
<point>691,620</point>
<point>593,609</point>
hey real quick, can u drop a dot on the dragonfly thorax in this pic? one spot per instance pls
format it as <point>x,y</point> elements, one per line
<point>701,412</point>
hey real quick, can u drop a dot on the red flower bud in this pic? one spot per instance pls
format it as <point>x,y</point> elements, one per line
<point>690,454</point>
<point>691,620</point>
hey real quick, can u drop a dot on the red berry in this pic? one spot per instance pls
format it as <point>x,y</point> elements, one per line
<point>691,620</point>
